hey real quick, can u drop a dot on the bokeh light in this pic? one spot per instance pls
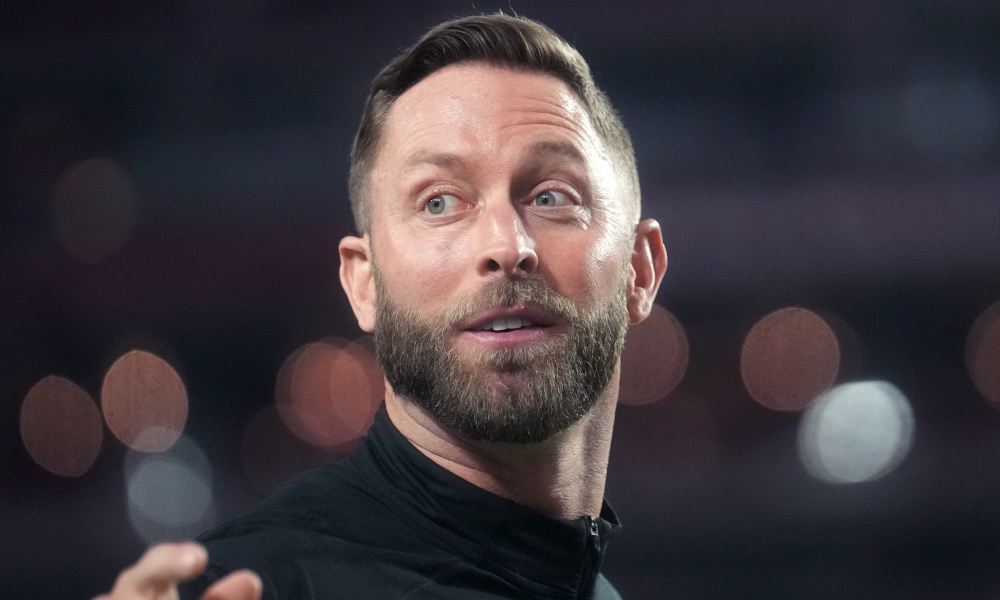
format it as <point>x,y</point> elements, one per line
<point>272,454</point>
<point>654,359</point>
<point>170,494</point>
<point>789,358</point>
<point>93,209</point>
<point>982,353</point>
<point>144,402</point>
<point>61,427</point>
<point>856,432</point>
<point>328,391</point>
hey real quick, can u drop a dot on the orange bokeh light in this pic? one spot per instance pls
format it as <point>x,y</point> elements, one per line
<point>144,402</point>
<point>982,353</point>
<point>328,391</point>
<point>654,359</point>
<point>789,358</point>
<point>61,427</point>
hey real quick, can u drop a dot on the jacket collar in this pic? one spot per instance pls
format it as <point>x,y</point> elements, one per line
<point>527,548</point>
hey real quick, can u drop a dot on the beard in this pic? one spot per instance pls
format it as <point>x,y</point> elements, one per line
<point>518,395</point>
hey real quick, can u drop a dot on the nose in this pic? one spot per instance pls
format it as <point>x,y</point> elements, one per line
<point>506,246</point>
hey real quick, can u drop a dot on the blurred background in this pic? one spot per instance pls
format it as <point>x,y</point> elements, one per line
<point>811,412</point>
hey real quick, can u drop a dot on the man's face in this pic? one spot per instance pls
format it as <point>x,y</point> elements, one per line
<point>500,242</point>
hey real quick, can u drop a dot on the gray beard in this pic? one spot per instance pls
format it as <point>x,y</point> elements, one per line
<point>517,395</point>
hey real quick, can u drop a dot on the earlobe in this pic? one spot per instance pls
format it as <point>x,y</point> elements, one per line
<point>649,263</point>
<point>357,279</point>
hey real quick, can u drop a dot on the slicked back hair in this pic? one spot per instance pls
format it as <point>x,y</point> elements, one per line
<point>500,40</point>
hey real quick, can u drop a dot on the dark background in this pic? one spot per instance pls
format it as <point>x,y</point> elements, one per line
<point>837,156</point>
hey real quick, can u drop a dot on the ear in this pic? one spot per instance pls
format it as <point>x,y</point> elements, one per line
<point>357,279</point>
<point>649,263</point>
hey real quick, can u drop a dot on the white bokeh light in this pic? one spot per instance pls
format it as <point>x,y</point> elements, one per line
<point>170,494</point>
<point>856,432</point>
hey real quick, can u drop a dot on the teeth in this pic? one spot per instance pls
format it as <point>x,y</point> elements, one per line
<point>507,324</point>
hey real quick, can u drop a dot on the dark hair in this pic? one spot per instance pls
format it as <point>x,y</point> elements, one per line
<point>499,40</point>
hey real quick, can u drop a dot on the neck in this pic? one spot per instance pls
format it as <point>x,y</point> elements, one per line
<point>563,476</point>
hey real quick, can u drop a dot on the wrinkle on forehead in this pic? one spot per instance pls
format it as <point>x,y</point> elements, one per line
<point>455,162</point>
<point>446,96</point>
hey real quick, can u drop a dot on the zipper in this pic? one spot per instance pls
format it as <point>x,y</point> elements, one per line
<point>588,578</point>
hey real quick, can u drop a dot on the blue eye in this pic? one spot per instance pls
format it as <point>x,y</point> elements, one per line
<point>439,204</point>
<point>551,198</point>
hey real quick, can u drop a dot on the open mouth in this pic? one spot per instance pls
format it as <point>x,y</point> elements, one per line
<point>502,324</point>
<point>526,318</point>
<point>510,326</point>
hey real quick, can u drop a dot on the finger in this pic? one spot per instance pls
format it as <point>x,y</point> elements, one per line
<point>161,567</point>
<point>238,585</point>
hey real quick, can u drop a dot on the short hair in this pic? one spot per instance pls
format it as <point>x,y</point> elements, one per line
<point>500,40</point>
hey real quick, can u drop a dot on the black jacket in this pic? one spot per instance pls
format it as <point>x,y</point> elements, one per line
<point>389,523</point>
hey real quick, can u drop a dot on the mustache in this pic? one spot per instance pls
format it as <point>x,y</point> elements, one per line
<point>511,292</point>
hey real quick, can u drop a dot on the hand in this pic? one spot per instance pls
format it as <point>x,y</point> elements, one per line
<point>162,567</point>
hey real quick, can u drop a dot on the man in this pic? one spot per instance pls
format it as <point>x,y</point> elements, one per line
<point>500,261</point>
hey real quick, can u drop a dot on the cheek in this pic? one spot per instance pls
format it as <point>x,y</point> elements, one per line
<point>609,260</point>
<point>421,269</point>
<point>592,272</point>
<point>608,253</point>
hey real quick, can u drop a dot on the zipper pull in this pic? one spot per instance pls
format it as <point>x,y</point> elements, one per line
<point>595,536</point>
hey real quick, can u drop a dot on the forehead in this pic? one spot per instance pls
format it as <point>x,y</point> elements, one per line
<point>475,105</point>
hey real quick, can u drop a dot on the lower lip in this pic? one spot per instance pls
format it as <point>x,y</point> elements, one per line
<point>508,339</point>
